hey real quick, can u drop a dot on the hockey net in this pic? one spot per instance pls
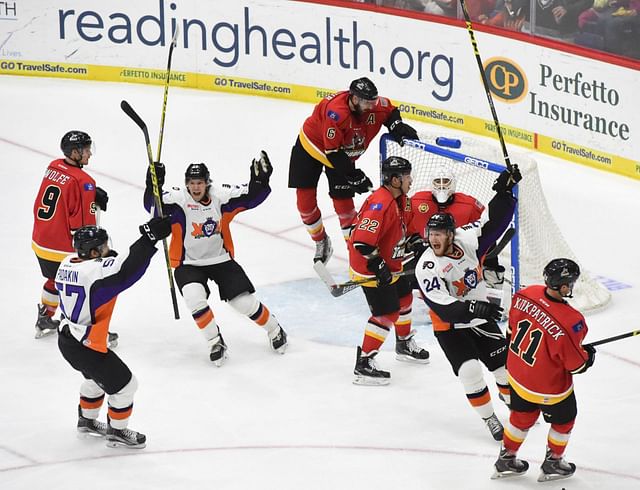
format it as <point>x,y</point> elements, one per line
<point>537,240</point>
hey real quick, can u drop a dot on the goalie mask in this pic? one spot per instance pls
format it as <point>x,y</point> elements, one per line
<point>561,272</point>
<point>443,185</point>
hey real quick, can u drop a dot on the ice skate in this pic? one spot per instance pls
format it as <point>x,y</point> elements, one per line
<point>279,341</point>
<point>125,438</point>
<point>90,427</point>
<point>217,350</point>
<point>324,250</point>
<point>407,350</point>
<point>555,468</point>
<point>45,325</point>
<point>508,465</point>
<point>367,372</point>
<point>495,427</point>
<point>112,341</point>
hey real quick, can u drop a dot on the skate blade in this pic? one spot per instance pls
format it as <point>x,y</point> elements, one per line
<point>44,333</point>
<point>118,444</point>
<point>88,434</point>
<point>412,360</point>
<point>281,350</point>
<point>367,381</point>
<point>220,362</point>
<point>543,477</point>
<point>506,474</point>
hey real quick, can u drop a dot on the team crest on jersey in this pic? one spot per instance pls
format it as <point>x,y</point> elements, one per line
<point>204,230</point>
<point>469,281</point>
<point>423,207</point>
<point>333,115</point>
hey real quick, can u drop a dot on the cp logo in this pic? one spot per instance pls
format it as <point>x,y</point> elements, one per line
<point>507,81</point>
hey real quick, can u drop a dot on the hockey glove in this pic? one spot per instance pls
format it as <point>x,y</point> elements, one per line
<point>101,198</point>
<point>591,353</point>
<point>261,169</point>
<point>398,129</point>
<point>156,228</point>
<point>507,179</point>
<point>160,173</point>
<point>359,182</point>
<point>493,276</point>
<point>378,266</point>
<point>415,244</point>
<point>484,310</point>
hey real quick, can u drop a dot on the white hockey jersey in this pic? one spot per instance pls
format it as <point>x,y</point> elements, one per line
<point>447,282</point>
<point>88,290</point>
<point>200,230</point>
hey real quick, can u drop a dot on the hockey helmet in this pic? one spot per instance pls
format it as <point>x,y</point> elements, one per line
<point>197,171</point>
<point>441,221</point>
<point>394,167</point>
<point>77,140</point>
<point>443,185</point>
<point>89,238</point>
<point>560,272</point>
<point>364,89</point>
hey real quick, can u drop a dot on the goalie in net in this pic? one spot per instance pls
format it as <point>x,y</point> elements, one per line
<point>537,239</point>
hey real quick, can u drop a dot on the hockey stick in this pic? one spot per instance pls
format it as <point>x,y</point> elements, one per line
<point>338,290</point>
<point>164,102</point>
<point>506,238</point>
<point>476,52</point>
<point>128,110</point>
<point>614,338</point>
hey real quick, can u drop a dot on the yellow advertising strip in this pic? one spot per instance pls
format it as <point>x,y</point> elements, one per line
<point>301,93</point>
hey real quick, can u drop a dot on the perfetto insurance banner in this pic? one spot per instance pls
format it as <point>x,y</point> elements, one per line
<point>565,105</point>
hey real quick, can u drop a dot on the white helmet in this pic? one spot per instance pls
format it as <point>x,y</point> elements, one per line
<point>443,184</point>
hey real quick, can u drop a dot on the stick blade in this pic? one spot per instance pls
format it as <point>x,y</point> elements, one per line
<point>129,111</point>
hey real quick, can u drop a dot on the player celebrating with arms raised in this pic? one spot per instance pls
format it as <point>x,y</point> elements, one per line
<point>332,139</point>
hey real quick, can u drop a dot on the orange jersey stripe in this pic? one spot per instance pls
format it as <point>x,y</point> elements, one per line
<point>176,245</point>
<point>97,339</point>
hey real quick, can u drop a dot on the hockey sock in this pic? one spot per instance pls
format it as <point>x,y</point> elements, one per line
<point>558,438</point>
<point>310,214</point>
<point>403,324</point>
<point>376,332</point>
<point>264,318</point>
<point>206,323</point>
<point>49,297</point>
<point>91,399</point>
<point>516,429</point>
<point>500,375</point>
<point>470,374</point>
<point>121,405</point>
<point>346,215</point>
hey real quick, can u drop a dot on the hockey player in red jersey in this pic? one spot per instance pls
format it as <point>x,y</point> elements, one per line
<point>545,351</point>
<point>336,134</point>
<point>376,249</point>
<point>67,200</point>
<point>89,283</point>
<point>464,321</point>
<point>201,248</point>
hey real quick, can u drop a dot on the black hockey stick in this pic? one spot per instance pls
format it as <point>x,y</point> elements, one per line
<point>164,102</point>
<point>128,110</point>
<point>338,290</point>
<point>614,338</point>
<point>476,52</point>
<point>506,238</point>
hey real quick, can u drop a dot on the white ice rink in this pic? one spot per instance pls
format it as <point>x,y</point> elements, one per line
<point>262,420</point>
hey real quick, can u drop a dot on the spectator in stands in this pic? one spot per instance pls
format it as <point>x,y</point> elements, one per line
<point>611,25</point>
<point>560,16</point>
<point>509,14</point>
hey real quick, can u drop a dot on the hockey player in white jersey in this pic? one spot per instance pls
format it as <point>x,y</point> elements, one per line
<point>201,248</point>
<point>449,274</point>
<point>88,284</point>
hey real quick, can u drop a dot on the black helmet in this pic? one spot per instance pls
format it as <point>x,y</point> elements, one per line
<point>363,88</point>
<point>74,140</point>
<point>88,238</point>
<point>559,272</point>
<point>394,167</point>
<point>441,221</point>
<point>197,171</point>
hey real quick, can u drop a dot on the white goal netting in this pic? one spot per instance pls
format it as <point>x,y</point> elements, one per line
<point>540,239</point>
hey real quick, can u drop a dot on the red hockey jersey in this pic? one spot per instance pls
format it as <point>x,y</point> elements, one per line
<point>464,208</point>
<point>332,126</point>
<point>380,223</point>
<point>545,346</point>
<point>65,202</point>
